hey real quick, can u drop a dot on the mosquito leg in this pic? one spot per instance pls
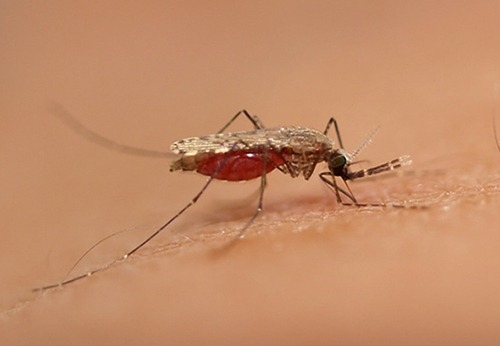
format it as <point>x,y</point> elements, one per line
<point>135,249</point>
<point>260,124</point>
<point>257,124</point>
<point>159,230</point>
<point>187,206</point>
<point>357,204</point>
<point>263,183</point>
<point>337,131</point>
<point>333,184</point>
<point>336,187</point>
<point>350,195</point>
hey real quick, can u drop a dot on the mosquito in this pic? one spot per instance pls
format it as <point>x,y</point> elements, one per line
<point>247,155</point>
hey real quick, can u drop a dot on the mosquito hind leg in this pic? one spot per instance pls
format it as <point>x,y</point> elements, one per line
<point>151,236</point>
<point>257,124</point>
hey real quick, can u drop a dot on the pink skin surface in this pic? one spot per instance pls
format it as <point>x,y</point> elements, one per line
<point>308,270</point>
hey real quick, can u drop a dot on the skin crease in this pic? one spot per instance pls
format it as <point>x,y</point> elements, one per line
<point>308,270</point>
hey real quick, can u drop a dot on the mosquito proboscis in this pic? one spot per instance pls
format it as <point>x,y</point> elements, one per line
<point>247,155</point>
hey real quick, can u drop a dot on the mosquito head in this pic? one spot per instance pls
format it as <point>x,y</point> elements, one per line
<point>338,162</point>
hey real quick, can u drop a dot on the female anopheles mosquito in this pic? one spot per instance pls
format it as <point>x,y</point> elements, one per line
<point>248,155</point>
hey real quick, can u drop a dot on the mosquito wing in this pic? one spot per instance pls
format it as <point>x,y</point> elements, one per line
<point>294,138</point>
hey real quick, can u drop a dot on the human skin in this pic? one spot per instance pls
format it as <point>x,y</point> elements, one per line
<point>308,270</point>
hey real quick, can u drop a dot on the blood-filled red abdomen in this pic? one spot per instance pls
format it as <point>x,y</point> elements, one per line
<point>239,165</point>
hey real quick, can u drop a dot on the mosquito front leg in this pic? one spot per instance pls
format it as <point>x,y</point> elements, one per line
<point>257,124</point>
<point>332,183</point>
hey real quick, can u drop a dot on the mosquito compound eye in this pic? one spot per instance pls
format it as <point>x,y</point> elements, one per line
<point>337,164</point>
<point>338,161</point>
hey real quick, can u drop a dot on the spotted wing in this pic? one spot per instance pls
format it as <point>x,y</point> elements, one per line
<point>296,139</point>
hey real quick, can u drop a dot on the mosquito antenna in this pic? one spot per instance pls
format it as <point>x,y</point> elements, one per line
<point>69,120</point>
<point>367,141</point>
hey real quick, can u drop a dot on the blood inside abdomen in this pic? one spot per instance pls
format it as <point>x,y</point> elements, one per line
<point>240,165</point>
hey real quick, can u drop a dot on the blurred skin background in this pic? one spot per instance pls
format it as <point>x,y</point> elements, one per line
<point>150,73</point>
